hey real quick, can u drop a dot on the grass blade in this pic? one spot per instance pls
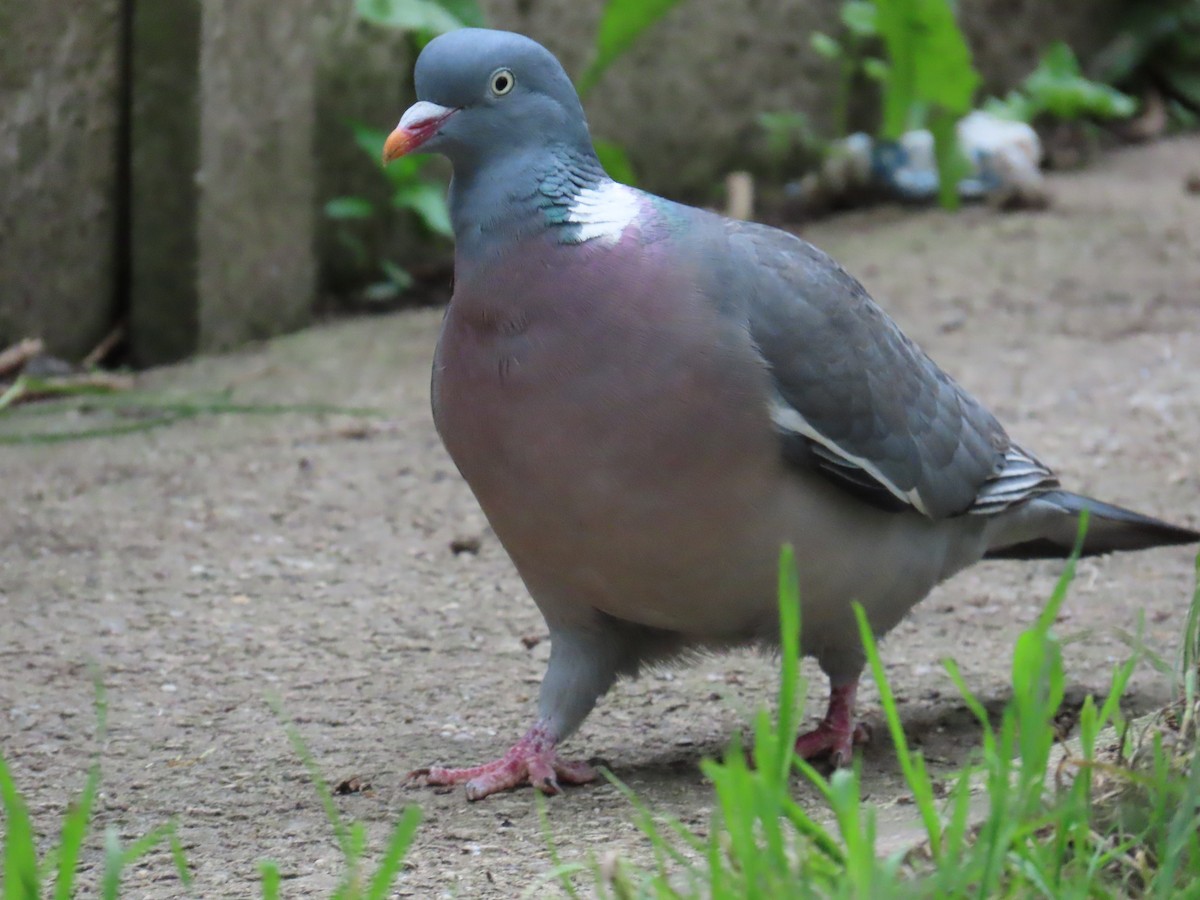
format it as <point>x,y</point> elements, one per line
<point>341,832</point>
<point>20,853</point>
<point>912,764</point>
<point>398,844</point>
<point>179,858</point>
<point>74,830</point>
<point>110,884</point>
<point>1189,657</point>
<point>270,879</point>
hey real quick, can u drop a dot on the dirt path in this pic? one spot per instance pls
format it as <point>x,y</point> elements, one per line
<point>208,565</point>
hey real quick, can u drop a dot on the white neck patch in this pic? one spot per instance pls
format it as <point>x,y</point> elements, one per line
<point>603,212</point>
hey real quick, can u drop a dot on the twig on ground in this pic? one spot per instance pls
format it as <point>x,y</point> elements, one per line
<point>739,195</point>
<point>105,347</point>
<point>14,357</point>
<point>25,388</point>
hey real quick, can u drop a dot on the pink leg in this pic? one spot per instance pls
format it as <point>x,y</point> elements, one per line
<point>837,733</point>
<point>531,760</point>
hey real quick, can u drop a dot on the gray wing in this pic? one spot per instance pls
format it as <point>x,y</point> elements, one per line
<point>860,402</point>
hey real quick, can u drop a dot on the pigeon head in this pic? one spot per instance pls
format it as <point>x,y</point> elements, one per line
<point>483,94</point>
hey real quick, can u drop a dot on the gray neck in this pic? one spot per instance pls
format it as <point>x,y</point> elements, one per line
<point>517,196</point>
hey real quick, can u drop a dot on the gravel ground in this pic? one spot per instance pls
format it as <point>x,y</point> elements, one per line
<point>204,568</point>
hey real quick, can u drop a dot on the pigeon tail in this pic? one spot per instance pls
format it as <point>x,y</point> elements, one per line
<point>1110,529</point>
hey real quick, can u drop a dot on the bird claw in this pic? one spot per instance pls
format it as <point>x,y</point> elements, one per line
<point>532,760</point>
<point>838,732</point>
<point>838,742</point>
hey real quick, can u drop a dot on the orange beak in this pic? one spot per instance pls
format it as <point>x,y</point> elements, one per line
<point>419,123</point>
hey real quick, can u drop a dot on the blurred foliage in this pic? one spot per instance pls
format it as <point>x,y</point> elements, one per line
<point>790,143</point>
<point>621,24</point>
<point>1058,89</point>
<point>788,136</point>
<point>926,78</point>
<point>859,31</point>
<point>413,190</point>
<point>1157,47</point>
<point>928,71</point>
<point>615,160</point>
<point>427,17</point>
<point>929,81</point>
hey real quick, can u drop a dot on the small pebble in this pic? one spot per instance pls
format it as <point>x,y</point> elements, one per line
<point>461,545</point>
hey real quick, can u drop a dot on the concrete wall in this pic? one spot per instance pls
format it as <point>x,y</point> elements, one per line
<point>239,133</point>
<point>258,173</point>
<point>224,198</point>
<point>242,132</point>
<point>164,196</point>
<point>59,117</point>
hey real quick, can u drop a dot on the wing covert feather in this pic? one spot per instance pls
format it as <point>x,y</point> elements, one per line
<point>849,381</point>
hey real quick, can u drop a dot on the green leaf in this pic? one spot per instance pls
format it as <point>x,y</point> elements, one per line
<point>615,161</point>
<point>1015,107</point>
<point>1057,88</point>
<point>929,63</point>
<point>786,131</point>
<point>371,140</point>
<point>382,292</point>
<point>397,275</point>
<point>397,281</point>
<point>409,15</point>
<point>469,12</point>
<point>861,18</point>
<point>945,74</point>
<point>825,46</point>
<point>875,69</point>
<point>349,208</point>
<point>1059,60</point>
<point>621,24</point>
<point>428,201</point>
<point>400,171</point>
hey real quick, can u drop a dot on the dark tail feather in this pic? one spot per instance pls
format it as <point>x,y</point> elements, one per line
<point>1110,528</point>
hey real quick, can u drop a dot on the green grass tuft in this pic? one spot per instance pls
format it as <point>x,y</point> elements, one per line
<point>26,876</point>
<point>1112,814</point>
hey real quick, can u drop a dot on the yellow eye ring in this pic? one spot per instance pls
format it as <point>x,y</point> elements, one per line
<point>502,81</point>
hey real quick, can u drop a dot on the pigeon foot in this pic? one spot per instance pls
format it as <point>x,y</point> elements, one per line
<point>531,760</point>
<point>837,733</point>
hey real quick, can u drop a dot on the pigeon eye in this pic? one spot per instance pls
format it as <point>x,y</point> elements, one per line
<point>502,82</point>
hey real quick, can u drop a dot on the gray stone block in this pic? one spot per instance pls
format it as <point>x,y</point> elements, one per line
<point>257,177</point>
<point>58,171</point>
<point>164,198</point>
<point>224,212</point>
